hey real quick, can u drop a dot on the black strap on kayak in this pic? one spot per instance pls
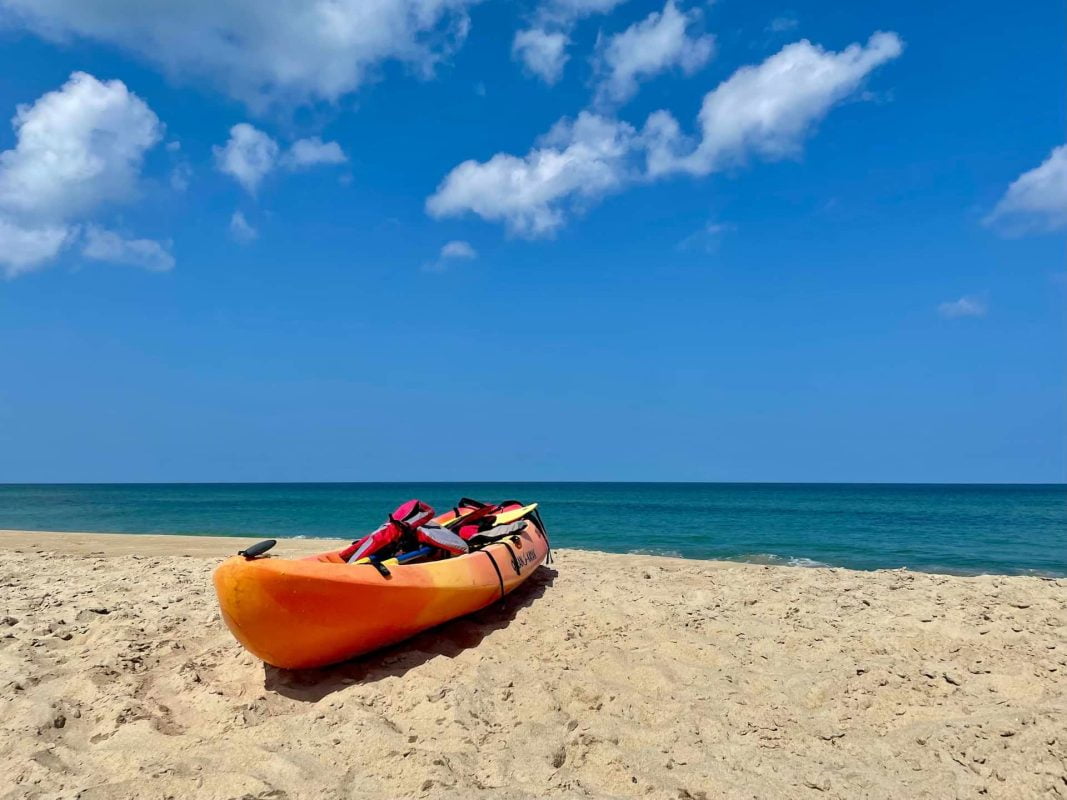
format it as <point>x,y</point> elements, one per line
<point>514,558</point>
<point>536,516</point>
<point>499,577</point>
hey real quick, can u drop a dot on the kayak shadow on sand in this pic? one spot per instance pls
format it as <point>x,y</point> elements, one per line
<point>448,640</point>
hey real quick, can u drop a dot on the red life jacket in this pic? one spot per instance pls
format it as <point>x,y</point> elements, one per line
<point>389,538</point>
<point>408,527</point>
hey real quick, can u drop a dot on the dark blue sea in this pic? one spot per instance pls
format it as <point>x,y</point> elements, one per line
<point>958,529</point>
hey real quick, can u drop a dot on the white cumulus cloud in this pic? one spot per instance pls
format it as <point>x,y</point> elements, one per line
<point>284,51</point>
<point>964,307</point>
<point>575,164</point>
<point>103,245</point>
<point>657,43</point>
<point>542,52</point>
<point>764,110</point>
<point>309,152</point>
<point>78,149</point>
<point>1036,200</point>
<point>542,47</point>
<point>249,155</point>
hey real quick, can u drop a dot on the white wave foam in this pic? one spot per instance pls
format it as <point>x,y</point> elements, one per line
<point>766,559</point>
<point>806,562</point>
<point>775,560</point>
<point>655,552</point>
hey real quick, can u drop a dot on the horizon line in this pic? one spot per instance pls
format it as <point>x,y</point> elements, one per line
<point>541,482</point>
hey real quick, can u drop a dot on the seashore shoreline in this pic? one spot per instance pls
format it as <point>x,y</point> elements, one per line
<point>202,545</point>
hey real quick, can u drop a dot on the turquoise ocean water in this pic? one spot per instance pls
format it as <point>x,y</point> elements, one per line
<point>936,528</point>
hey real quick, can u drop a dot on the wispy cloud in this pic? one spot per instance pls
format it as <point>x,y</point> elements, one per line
<point>1036,200</point>
<point>100,244</point>
<point>241,230</point>
<point>966,306</point>
<point>180,176</point>
<point>181,172</point>
<point>782,24</point>
<point>707,238</point>
<point>456,250</point>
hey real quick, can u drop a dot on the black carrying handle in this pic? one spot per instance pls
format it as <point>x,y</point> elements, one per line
<point>258,549</point>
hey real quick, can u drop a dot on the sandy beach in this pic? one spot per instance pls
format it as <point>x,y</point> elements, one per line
<point>605,676</point>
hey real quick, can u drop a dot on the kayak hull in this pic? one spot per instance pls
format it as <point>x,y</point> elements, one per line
<point>311,612</point>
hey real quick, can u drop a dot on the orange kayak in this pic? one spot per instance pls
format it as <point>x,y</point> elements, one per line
<point>321,610</point>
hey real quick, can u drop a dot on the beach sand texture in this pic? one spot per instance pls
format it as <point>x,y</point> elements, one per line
<point>604,676</point>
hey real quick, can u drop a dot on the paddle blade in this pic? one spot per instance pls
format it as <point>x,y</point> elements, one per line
<point>512,516</point>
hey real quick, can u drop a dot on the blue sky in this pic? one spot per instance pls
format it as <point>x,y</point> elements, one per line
<point>574,240</point>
